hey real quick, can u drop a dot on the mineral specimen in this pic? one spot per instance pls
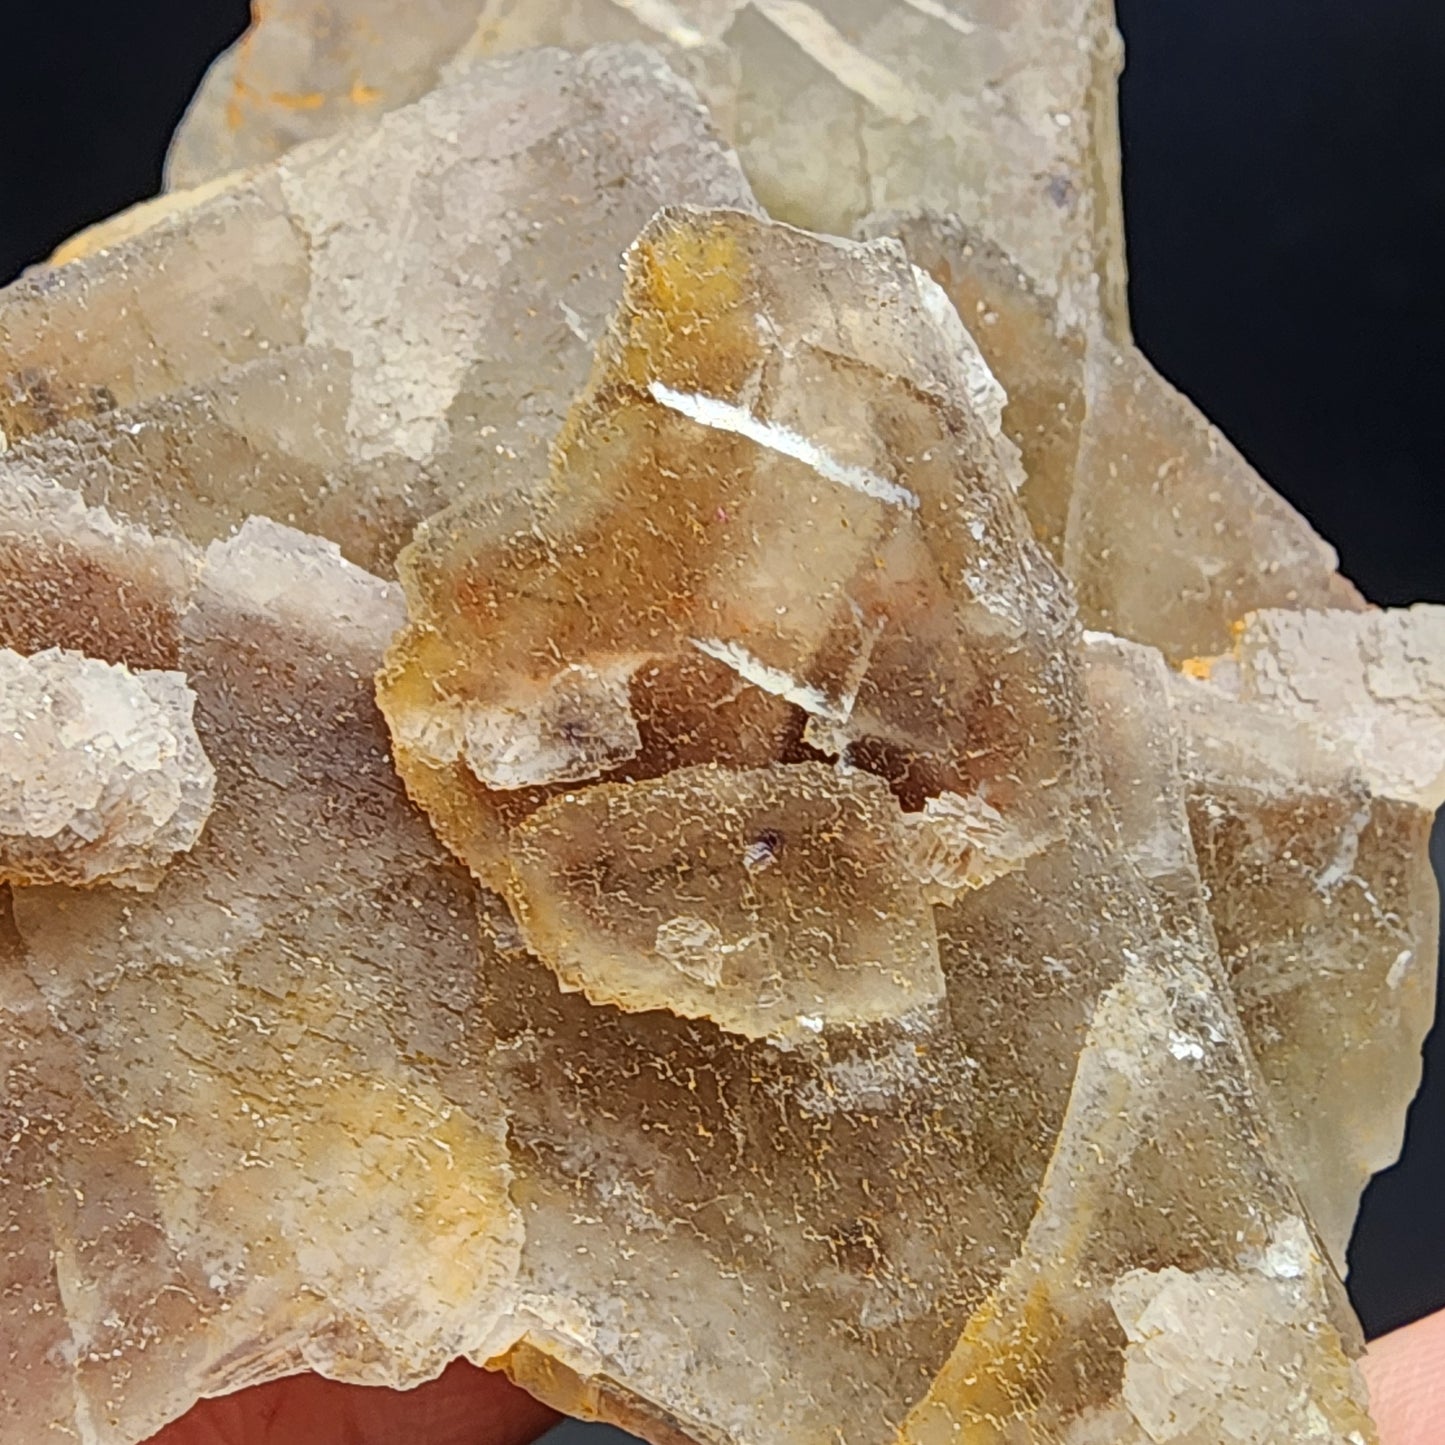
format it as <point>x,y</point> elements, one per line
<point>912,920</point>
<point>305,69</point>
<point>871,592</point>
<point>305,1187</point>
<point>1103,436</point>
<point>1323,903</point>
<point>348,340</point>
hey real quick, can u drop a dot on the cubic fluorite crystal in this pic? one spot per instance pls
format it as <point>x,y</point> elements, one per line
<point>760,827</point>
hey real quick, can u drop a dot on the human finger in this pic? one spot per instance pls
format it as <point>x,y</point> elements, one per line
<point>463,1406</point>
<point>1405,1371</point>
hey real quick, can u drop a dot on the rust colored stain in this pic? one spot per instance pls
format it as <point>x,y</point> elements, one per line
<point>297,100</point>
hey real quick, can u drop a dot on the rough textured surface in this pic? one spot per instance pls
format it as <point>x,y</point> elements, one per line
<point>870,595</point>
<point>839,109</point>
<point>348,340</point>
<point>825,993</point>
<point>102,776</point>
<point>723,320</point>
<point>1372,687</point>
<point>1324,905</point>
<point>272,1165</point>
<point>727,894</point>
<point>1082,1337</point>
<point>307,68</point>
<point>1003,113</point>
<point>1103,436</point>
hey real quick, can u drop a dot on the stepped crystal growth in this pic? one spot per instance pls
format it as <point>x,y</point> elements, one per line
<point>760,827</point>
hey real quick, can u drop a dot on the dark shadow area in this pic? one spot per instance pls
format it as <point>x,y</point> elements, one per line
<point>1285,193</point>
<point>1397,1257</point>
<point>577,1432</point>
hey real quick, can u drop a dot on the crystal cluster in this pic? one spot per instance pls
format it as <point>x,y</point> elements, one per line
<point>638,745</point>
<point>102,777</point>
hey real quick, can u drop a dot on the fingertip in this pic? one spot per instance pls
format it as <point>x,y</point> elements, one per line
<point>1405,1372</point>
<point>462,1406</point>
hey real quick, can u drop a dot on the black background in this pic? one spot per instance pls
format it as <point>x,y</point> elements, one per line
<point>1285,187</point>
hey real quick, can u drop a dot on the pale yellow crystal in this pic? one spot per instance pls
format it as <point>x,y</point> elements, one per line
<point>1104,437</point>
<point>1209,540</point>
<point>1161,1231</point>
<point>730,896</point>
<point>871,581</point>
<point>1370,686</point>
<point>1002,113</point>
<point>1138,1067</point>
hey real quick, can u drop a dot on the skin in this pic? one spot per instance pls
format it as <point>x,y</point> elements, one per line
<point>463,1406</point>
<point>468,1406</point>
<point>1406,1374</point>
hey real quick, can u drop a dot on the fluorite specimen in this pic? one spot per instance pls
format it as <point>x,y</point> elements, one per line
<point>762,829</point>
<point>1103,436</point>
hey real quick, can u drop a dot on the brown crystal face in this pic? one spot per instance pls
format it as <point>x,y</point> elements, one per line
<point>716,516</point>
<point>72,577</point>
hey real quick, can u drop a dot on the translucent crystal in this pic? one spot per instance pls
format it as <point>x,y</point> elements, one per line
<point>877,582</point>
<point>1313,775</point>
<point>1102,940</point>
<point>1002,113</point>
<point>728,895</point>
<point>332,341</point>
<point>307,68</point>
<point>1324,905</point>
<point>272,1146</point>
<point>1104,436</point>
<point>1372,686</point>
<point>102,776</point>
<point>71,576</point>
